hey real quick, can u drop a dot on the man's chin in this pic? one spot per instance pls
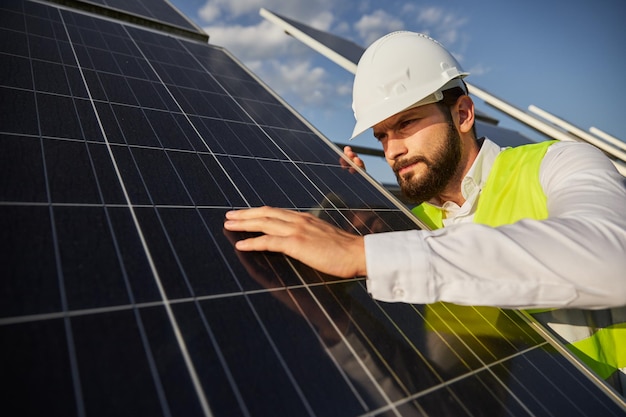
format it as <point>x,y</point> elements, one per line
<point>414,192</point>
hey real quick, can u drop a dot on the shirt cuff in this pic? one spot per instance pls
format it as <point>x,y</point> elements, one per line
<point>398,267</point>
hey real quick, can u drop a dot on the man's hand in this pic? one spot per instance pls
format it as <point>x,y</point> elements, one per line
<point>347,151</point>
<point>302,236</point>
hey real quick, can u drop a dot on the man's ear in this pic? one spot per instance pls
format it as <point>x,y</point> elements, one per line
<point>465,110</point>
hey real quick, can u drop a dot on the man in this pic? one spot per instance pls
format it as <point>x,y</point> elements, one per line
<point>540,226</point>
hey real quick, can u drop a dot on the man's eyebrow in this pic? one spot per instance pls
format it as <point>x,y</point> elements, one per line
<point>398,118</point>
<point>410,114</point>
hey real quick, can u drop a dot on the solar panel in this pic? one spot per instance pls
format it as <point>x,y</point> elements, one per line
<point>159,14</point>
<point>160,10</point>
<point>342,51</point>
<point>121,148</point>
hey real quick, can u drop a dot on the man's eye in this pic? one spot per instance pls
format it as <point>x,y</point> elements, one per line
<point>407,123</point>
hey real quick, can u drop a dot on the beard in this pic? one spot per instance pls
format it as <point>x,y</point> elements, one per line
<point>440,169</point>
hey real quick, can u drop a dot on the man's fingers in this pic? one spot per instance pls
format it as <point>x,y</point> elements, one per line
<point>265,225</point>
<point>260,243</point>
<point>269,221</point>
<point>262,212</point>
<point>350,154</point>
<point>302,236</point>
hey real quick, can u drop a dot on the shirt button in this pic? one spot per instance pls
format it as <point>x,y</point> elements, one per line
<point>398,293</point>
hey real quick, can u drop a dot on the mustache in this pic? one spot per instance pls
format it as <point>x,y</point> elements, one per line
<point>402,163</point>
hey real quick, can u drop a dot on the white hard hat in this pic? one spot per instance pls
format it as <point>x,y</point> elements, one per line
<point>401,70</point>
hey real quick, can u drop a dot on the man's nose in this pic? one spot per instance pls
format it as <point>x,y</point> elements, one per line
<point>395,147</point>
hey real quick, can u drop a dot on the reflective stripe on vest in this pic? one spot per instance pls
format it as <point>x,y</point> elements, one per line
<point>513,192</point>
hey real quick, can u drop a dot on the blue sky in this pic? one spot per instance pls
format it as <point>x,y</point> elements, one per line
<point>567,58</point>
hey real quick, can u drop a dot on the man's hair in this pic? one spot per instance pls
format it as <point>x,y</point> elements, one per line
<point>450,97</point>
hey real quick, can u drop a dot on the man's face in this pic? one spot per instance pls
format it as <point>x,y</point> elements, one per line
<point>423,147</point>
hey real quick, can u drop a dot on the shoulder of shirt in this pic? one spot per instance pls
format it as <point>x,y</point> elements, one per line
<point>574,151</point>
<point>564,159</point>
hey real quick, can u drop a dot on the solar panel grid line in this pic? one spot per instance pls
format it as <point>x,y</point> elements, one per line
<point>488,367</point>
<point>307,286</point>
<point>604,398</point>
<point>348,345</point>
<point>229,375</point>
<point>304,285</point>
<point>151,363</point>
<point>567,405</point>
<point>497,361</point>
<point>578,365</point>
<point>410,398</point>
<point>444,383</point>
<point>295,384</point>
<point>572,401</point>
<point>380,356</point>
<point>422,357</point>
<point>181,342</point>
<point>140,305</point>
<point>222,359</point>
<point>465,328</point>
<point>260,323</point>
<point>269,137</point>
<point>345,377</point>
<point>287,369</point>
<point>544,410</point>
<point>177,24</point>
<point>332,146</point>
<point>443,340</point>
<point>217,82</point>
<point>474,372</point>
<point>139,322</point>
<point>588,391</point>
<point>63,299</point>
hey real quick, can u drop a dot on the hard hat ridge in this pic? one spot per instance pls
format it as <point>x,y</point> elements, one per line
<point>400,70</point>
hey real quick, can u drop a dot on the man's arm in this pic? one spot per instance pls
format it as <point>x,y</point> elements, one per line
<point>575,258</point>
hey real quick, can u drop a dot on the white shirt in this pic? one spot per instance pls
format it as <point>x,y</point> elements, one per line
<point>575,258</point>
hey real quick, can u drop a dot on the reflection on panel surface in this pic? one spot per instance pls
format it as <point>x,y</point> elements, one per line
<point>121,150</point>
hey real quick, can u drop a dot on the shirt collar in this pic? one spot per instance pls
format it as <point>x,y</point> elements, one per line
<point>475,178</point>
<point>477,175</point>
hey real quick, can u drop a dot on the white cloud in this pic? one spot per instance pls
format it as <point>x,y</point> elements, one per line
<point>441,24</point>
<point>285,64</point>
<point>209,12</point>
<point>373,26</point>
<point>306,11</point>
<point>430,16</point>
<point>218,8</point>
<point>322,21</point>
<point>479,69</point>
<point>301,82</point>
<point>250,43</point>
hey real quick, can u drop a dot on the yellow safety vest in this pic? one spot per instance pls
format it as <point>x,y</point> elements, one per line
<point>513,192</point>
